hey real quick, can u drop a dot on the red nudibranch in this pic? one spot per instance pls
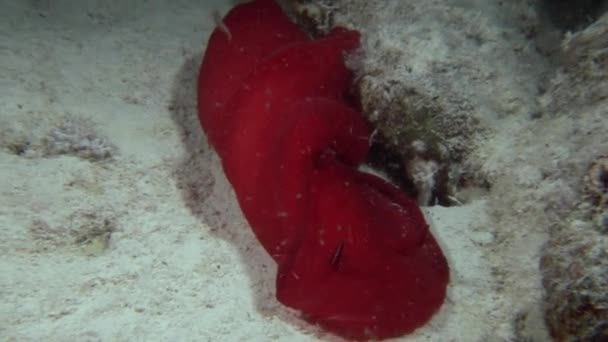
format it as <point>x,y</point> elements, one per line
<point>354,253</point>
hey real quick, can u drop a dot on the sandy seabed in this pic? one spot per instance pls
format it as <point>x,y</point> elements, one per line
<point>116,221</point>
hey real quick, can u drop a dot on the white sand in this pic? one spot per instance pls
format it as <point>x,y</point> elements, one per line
<point>150,245</point>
